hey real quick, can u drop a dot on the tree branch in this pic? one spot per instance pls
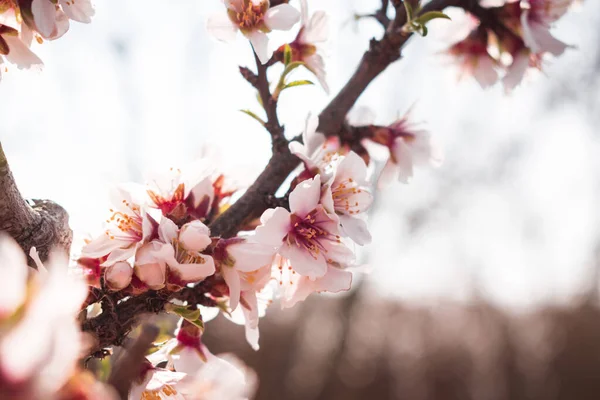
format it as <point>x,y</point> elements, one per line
<point>44,225</point>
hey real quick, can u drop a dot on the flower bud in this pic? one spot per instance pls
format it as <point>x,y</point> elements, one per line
<point>194,236</point>
<point>118,276</point>
<point>150,270</point>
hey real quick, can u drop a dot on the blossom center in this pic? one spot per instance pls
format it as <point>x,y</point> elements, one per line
<point>251,16</point>
<point>128,224</point>
<point>308,235</point>
<point>345,197</point>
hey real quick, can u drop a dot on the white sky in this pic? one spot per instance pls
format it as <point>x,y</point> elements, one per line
<point>513,209</point>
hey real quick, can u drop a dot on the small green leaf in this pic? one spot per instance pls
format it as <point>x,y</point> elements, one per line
<point>431,15</point>
<point>290,67</point>
<point>184,312</point>
<point>423,31</point>
<point>253,115</point>
<point>297,83</point>
<point>409,10</point>
<point>287,54</point>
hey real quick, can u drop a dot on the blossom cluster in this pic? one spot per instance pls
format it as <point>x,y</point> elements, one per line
<point>21,21</point>
<point>516,43</point>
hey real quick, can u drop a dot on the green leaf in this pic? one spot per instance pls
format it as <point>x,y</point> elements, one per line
<point>409,10</point>
<point>431,15</point>
<point>290,67</point>
<point>184,312</point>
<point>298,83</point>
<point>253,115</point>
<point>423,31</point>
<point>287,54</point>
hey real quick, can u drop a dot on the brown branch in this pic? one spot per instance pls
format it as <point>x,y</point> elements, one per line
<point>44,225</point>
<point>270,105</point>
<point>112,327</point>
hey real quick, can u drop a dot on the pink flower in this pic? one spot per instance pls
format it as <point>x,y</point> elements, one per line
<point>254,18</point>
<point>308,236</point>
<point>150,269</point>
<point>157,383</point>
<point>408,147</point>
<point>181,195</point>
<point>181,251</point>
<point>313,32</point>
<point>346,195</point>
<point>15,39</point>
<point>297,288</point>
<point>41,343</point>
<point>129,227</point>
<point>52,20</point>
<point>473,59</point>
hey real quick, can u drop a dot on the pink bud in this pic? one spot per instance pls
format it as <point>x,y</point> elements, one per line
<point>148,268</point>
<point>194,236</point>
<point>118,276</point>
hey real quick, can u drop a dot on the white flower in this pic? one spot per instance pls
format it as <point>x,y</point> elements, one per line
<point>52,20</point>
<point>254,18</point>
<point>41,343</point>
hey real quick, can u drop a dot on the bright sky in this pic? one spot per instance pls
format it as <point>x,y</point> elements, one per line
<point>141,89</point>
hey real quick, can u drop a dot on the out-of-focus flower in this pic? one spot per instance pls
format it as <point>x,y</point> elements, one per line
<point>129,227</point>
<point>40,340</point>
<point>308,236</point>
<point>254,18</point>
<point>52,17</point>
<point>408,147</point>
<point>157,383</point>
<point>472,57</point>
<point>347,196</point>
<point>536,19</point>
<point>305,48</point>
<point>15,39</point>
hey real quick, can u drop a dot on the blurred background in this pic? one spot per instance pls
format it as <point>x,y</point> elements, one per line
<point>483,272</point>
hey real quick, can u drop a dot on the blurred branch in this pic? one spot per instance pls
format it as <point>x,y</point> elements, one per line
<point>44,225</point>
<point>126,369</point>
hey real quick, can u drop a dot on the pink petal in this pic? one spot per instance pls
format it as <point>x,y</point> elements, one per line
<point>303,262</point>
<point>193,272</point>
<point>282,17</point>
<point>44,15</point>
<point>78,10</point>
<point>167,230</point>
<point>317,30</point>
<point>356,229</point>
<point>305,197</point>
<point>20,54</point>
<point>221,27</point>
<point>250,256</point>
<point>118,276</point>
<point>232,279</point>
<point>276,225</point>
<point>260,43</point>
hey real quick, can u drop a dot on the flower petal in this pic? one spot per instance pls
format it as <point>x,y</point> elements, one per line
<point>250,256</point>
<point>78,10</point>
<point>232,279</point>
<point>20,54</point>
<point>282,17</point>
<point>356,229</point>
<point>44,15</point>
<point>303,262</point>
<point>221,27</point>
<point>305,197</point>
<point>260,44</point>
<point>276,224</point>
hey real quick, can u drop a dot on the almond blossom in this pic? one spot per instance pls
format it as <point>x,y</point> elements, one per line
<point>40,341</point>
<point>347,196</point>
<point>157,383</point>
<point>316,152</point>
<point>179,195</point>
<point>15,39</point>
<point>52,17</point>
<point>472,57</point>
<point>313,32</point>
<point>254,18</point>
<point>306,235</point>
<point>129,227</point>
<point>408,147</point>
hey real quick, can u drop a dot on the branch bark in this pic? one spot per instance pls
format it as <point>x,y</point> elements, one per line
<point>44,224</point>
